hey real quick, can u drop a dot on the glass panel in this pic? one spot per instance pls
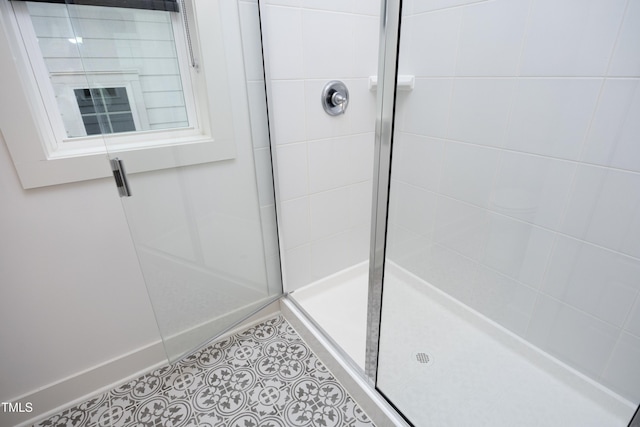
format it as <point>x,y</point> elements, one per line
<point>204,233</point>
<point>326,175</point>
<point>124,49</point>
<point>511,292</point>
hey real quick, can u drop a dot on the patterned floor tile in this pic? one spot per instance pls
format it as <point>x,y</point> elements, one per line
<point>265,376</point>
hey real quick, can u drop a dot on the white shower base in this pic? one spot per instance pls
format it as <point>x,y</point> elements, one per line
<point>338,304</point>
<point>480,374</point>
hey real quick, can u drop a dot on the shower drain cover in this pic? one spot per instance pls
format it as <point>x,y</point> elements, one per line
<point>424,358</point>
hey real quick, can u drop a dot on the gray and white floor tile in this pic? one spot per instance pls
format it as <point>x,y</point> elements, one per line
<point>265,376</point>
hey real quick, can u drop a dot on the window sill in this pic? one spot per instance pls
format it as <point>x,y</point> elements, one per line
<point>65,169</point>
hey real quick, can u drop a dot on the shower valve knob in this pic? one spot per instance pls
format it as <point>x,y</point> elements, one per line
<point>335,98</point>
<point>338,99</point>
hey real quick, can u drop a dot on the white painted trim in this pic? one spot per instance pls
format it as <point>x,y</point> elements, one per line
<point>74,389</point>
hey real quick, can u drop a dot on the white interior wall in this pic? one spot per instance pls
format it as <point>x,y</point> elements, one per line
<point>73,296</point>
<point>325,164</point>
<point>516,175</point>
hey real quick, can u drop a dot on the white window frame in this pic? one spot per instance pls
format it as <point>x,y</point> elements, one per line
<point>33,130</point>
<point>134,95</point>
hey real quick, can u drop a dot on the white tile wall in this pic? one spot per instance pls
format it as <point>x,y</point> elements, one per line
<point>604,207</point>
<point>366,43</point>
<point>460,226</point>
<point>491,38</point>
<point>551,116</point>
<point>468,172</point>
<point>623,370</point>
<point>424,173</point>
<point>330,212</point>
<point>293,170</point>
<point>626,61</point>
<point>297,265</point>
<point>282,27</point>
<point>522,133</point>
<point>633,323</point>
<point>571,335</point>
<point>288,102</point>
<point>412,207</point>
<point>340,161</point>
<point>419,6</point>
<point>325,164</point>
<point>480,109</point>
<point>517,249</point>
<point>327,53</point>
<point>331,254</point>
<point>612,138</point>
<point>431,45</point>
<point>571,37</point>
<point>424,111</point>
<point>532,188</point>
<point>454,273</point>
<point>504,300</point>
<point>595,280</point>
<point>295,222</point>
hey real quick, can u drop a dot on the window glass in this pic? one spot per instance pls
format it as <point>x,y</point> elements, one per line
<point>105,110</point>
<point>128,56</point>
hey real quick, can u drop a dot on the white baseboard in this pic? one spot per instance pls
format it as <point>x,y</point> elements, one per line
<point>54,397</point>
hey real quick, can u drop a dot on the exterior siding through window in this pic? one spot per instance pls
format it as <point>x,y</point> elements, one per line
<point>106,41</point>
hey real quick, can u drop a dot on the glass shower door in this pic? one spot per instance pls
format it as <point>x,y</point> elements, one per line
<point>167,91</point>
<point>511,292</point>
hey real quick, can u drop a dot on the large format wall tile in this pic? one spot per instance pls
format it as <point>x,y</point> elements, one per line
<point>626,61</point>
<point>491,38</point>
<point>572,335</point>
<point>595,280</point>
<point>571,37</point>
<point>613,136</point>
<point>551,116</point>
<point>604,208</point>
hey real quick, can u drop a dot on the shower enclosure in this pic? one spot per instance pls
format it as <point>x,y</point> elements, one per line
<point>504,275</point>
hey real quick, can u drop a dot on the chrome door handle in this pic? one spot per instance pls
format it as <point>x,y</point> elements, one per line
<point>120,175</point>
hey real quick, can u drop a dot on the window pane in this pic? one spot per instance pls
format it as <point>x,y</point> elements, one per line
<point>115,99</point>
<point>122,122</point>
<point>131,62</point>
<point>91,125</point>
<point>105,110</point>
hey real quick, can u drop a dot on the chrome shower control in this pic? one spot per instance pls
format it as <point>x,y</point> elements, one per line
<point>335,98</point>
